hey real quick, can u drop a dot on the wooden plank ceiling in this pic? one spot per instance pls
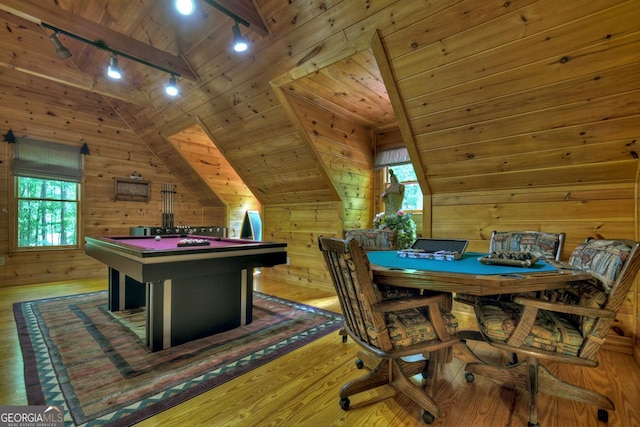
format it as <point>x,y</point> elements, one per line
<point>352,88</point>
<point>482,115</point>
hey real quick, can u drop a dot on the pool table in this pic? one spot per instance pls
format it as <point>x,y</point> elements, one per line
<point>192,286</point>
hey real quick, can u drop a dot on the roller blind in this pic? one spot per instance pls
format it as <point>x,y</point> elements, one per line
<point>392,157</point>
<point>47,160</point>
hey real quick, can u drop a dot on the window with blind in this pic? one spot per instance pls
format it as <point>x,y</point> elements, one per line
<point>406,175</point>
<point>398,160</point>
<point>47,188</point>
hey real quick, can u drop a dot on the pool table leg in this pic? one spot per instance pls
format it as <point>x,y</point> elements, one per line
<point>182,310</point>
<point>246,297</point>
<point>158,325</point>
<point>125,292</point>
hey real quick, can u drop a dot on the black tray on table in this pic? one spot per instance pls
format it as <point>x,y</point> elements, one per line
<point>439,249</point>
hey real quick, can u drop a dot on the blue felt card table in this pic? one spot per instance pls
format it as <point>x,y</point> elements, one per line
<point>468,264</point>
<point>468,275</point>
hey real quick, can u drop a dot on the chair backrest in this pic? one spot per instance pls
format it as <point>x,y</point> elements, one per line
<point>353,280</point>
<point>542,244</point>
<point>614,265</point>
<point>374,240</point>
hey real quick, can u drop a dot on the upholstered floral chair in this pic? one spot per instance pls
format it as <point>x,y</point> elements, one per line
<point>389,329</point>
<point>570,330</point>
<point>374,240</point>
<point>542,244</point>
<point>546,246</point>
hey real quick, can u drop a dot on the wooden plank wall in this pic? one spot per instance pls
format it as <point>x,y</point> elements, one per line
<point>345,150</point>
<point>116,152</point>
<point>207,160</point>
<point>300,225</point>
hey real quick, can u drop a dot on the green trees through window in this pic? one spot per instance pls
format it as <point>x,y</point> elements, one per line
<point>47,212</point>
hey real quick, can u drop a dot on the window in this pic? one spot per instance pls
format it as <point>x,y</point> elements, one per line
<point>46,192</point>
<point>412,194</point>
<point>47,213</point>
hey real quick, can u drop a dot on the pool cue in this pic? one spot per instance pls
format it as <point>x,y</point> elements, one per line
<point>164,203</point>
<point>171,204</point>
<point>165,222</point>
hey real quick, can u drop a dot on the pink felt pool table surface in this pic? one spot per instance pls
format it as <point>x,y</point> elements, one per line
<point>144,244</point>
<point>189,291</point>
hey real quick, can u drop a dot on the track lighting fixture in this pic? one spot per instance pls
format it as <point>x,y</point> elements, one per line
<point>172,88</point>
<point>239,42</point>
<point>61,51</point>
<point>185,7</point>
<point>112,70</point>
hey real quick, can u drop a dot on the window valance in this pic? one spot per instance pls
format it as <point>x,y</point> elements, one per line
<point>392,157</point>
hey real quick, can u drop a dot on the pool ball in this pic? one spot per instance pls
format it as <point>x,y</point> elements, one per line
<point>158,237</point>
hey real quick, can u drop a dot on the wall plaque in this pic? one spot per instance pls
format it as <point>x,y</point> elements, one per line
<point>132,190</point>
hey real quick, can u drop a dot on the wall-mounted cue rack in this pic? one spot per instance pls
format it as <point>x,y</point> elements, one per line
<point>168,192</point>
<point>132,190</point>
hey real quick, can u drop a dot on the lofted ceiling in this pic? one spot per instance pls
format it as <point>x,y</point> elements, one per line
<point>352,87</point>
<point>476,114</point>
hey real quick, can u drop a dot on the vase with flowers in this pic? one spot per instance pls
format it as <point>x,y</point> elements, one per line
<point>401,223</point>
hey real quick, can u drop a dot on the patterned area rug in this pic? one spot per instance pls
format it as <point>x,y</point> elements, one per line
<point>94,363</point>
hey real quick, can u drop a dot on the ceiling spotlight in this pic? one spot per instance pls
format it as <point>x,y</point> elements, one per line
<point>113,71</point>
<point>61,51</point>
<point>172,88</point>
<point>185,7</point>
<point>240,44</point>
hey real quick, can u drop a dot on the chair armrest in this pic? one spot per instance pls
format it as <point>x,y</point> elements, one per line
<point>409,302</point>
<point>564,308</point>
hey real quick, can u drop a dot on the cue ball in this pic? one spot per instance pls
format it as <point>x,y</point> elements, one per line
<point>158,237</point>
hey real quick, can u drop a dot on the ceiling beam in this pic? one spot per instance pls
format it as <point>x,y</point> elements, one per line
<point>243,9</point>
<point>65,73</point>
<point>41,13</point>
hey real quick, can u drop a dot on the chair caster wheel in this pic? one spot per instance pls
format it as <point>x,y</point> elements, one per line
<point>359,364</point>
<point>344,338</point>
<point>603,415</point>
<point>469,377</point>
<point>427,417</point>
<point>344,403</point>
<point>533,424</point>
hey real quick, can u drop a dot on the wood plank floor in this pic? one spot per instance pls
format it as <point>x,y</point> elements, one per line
<point>301,388</point>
